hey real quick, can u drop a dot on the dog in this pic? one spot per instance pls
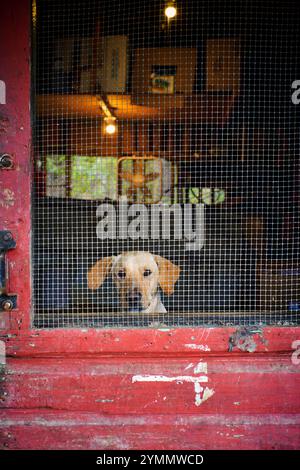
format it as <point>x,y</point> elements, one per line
<point>138,276</point>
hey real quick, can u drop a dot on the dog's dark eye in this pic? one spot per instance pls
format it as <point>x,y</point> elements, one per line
<point>122,274</point>
<point>147,272</point>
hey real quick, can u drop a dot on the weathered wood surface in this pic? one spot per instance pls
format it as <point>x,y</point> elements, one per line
<point>132,403</point>
<point>160,341</point>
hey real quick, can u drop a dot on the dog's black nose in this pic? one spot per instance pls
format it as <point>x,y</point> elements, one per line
<point>134,298</point>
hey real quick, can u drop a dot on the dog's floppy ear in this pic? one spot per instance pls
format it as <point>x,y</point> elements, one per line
<point>98,272</point>
<point>168,274</point>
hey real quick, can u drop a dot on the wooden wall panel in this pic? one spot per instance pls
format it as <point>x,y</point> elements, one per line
<point>223,65</point>
<point>184,58</point>
<point>245,402</point>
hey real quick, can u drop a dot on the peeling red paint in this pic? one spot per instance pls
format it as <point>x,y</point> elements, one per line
<point>15,114</point>
<point>66,430</point>
<point>77,342</point>
<point>4,124</point>
<point>7,198</point>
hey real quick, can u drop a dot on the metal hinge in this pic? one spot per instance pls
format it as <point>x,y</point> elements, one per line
<point>7,301</point>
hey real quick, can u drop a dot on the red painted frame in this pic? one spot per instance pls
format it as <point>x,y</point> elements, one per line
<point>166,342</point>
<point>15,215</point>
<point>74,388</point>
<point>15,132</point>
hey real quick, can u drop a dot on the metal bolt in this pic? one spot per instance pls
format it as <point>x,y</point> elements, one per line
<point>7,305</point>
<point>6,161</point>
<point>7,236</point>
<point>3,396</point>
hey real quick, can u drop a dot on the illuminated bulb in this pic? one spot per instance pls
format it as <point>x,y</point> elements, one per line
<point>170,12</point>
<point>110,129</point>
<point>110,126</point>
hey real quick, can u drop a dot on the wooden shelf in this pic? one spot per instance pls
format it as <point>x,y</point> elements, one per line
<point>206,108</point>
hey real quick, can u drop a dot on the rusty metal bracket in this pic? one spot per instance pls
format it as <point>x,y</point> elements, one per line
<point>7,301</point>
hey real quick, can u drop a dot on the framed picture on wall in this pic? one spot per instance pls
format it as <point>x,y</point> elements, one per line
<point>162,84</point>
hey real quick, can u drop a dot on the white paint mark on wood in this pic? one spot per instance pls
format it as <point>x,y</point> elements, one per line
<point>2,92</point>
<point>201,394</point>
<point>7,198</point>
<point>2,353</point>
<point>198,347</point>
<point>207,393</point>
<point>200,368</point>
<point>164,378</point>
<point>104,400</point>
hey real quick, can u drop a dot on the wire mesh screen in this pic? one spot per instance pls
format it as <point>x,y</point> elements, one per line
<point>166,163</point>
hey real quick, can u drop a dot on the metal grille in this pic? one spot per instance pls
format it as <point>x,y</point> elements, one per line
<point>177,140</point>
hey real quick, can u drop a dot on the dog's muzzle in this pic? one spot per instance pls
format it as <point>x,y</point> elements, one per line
<point>134,301</point>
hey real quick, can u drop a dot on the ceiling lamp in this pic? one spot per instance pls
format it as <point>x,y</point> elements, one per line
<point>110,125</point>
<point>171,10</point>
<point>110,121</point>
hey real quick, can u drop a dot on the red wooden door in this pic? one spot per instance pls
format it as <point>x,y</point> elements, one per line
<point>156,388</point>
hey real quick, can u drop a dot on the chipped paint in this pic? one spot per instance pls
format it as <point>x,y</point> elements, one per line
<point>2,353</point>
<point>198,391</point>
<point>4,124</point>
<point>198,347</point>
<point>201,368</point>
<point>104,400</point>
<point>159,326</point>
<point>179,380</point>
<point>201,394</point>
<point>207,393</point>
<point>2,92</point>
<point>245,339</point>
<point>189,366</point>
<point>7,198</point>
<point>164,378</point>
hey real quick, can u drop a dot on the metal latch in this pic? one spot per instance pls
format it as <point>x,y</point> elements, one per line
<point>7,302</point>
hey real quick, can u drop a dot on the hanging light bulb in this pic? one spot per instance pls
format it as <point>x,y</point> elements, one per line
<point>171,10</point>
<point>110,125</point>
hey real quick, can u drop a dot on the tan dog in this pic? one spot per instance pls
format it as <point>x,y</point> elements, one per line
<point>137,275</point>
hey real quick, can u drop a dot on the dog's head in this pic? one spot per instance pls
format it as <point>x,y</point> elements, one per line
<point>137,275</point>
